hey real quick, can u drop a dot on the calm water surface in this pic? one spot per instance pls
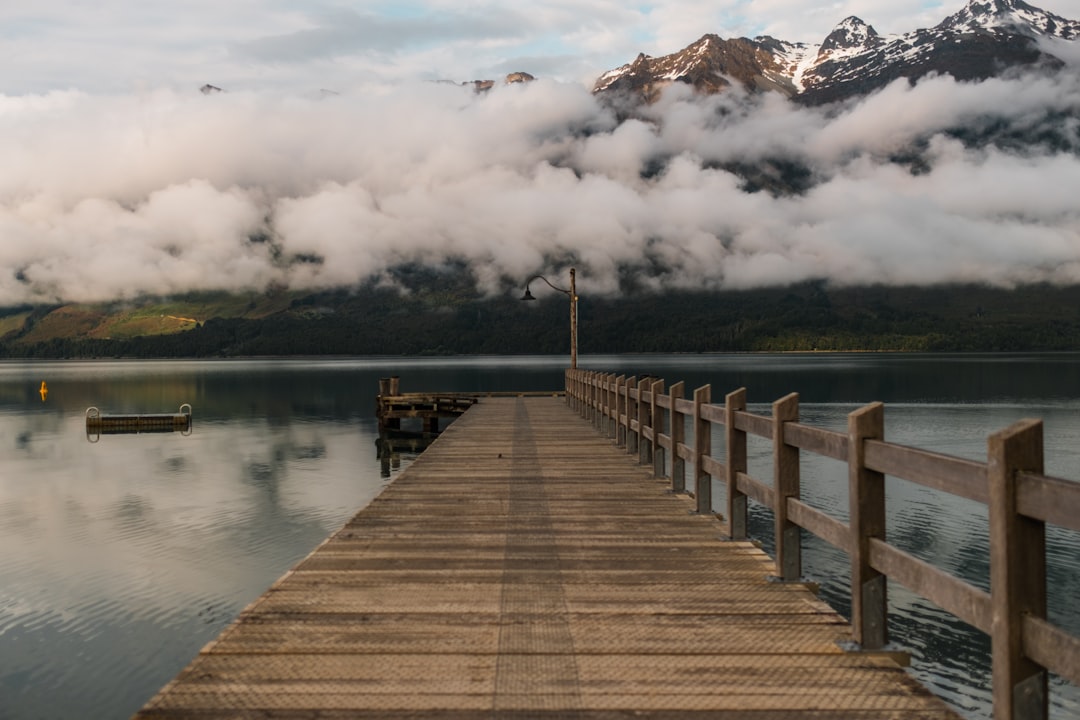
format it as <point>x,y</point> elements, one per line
<point>121,558</point>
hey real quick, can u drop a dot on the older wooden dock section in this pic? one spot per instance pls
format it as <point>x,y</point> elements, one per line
<point>524,568</point>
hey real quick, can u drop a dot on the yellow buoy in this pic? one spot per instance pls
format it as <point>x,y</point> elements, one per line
<point>44,391</point>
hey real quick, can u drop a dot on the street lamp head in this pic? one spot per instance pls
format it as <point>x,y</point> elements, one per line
<point>528,295</point>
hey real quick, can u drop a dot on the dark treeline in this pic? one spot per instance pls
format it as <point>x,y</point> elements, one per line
<point>803,318</point>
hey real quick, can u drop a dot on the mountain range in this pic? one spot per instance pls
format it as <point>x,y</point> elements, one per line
<point>984,39</point>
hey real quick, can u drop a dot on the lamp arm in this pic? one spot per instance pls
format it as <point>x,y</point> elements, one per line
<point>541,277</point>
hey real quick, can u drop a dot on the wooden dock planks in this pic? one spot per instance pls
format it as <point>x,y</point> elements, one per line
<point>524,568</point>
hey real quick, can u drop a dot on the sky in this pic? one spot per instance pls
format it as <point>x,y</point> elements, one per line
<point>119,179</point>
<point>122,46</point>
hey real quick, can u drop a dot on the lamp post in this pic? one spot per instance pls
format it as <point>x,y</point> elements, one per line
<point>572,294</point>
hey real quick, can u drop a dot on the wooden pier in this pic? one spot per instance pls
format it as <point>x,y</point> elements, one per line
<point>525,567</point>
<point>392,406</point>
<point>428,407</point>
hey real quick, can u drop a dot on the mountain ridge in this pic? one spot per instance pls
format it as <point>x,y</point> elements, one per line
<point>983,39</point>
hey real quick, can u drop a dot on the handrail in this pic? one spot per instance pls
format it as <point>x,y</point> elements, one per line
<point>640,416</point>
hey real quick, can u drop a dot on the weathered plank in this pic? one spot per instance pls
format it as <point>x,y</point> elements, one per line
<point>523,568</point>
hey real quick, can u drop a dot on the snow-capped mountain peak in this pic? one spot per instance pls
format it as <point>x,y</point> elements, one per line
<point>1009,15</point>
<point>850,34</point>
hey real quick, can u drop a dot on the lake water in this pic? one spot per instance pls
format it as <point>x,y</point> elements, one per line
<point>121,558</point>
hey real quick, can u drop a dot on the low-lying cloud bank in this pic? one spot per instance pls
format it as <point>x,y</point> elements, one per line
<point>110,197</point>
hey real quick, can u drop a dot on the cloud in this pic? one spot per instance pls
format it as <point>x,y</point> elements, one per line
<point>347,32</point>
<point>112,196</point>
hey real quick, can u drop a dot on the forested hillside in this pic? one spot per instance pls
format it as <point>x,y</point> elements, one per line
<point>450,318</point>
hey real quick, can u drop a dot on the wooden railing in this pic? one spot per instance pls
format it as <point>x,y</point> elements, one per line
<point>1021,500</point>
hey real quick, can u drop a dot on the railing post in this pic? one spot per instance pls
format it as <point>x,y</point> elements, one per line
<point>620,408</point>
<point>656,422</point>
<point>589,394</point>
<point>582,385</point>
<point>591,380</point>
<point>1017,573</point>
<point>616,399</point>
<point>601,402</point>
<point>579,391</point>
<point>601,396</point>
<point>643,387</point>
<point>579,388</point>
<point>612,406</point>
<point>702,448</point>
<point>678,437</point>
<point>595,383</point>
<point>644,413</point>
<point>584,376</point>
<point>866,492</point>
<point>736,463</point>
<point>786,485</point>
<point>631,414</point>
<point>601,379</point>
<point>598,399</point>
<point>595,380</point>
